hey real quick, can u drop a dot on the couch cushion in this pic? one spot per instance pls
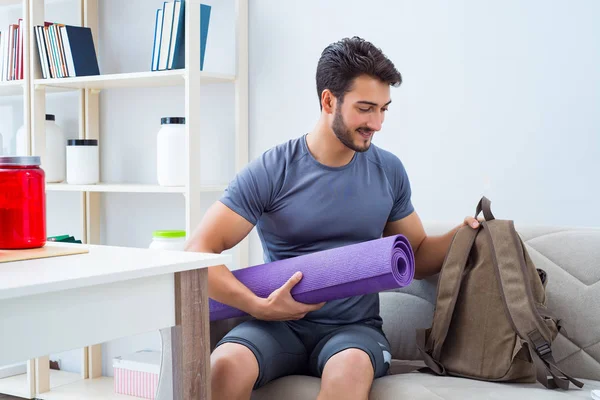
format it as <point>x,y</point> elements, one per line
<point>417,312</point>
<point>417,386</point>
<point>572,260</point>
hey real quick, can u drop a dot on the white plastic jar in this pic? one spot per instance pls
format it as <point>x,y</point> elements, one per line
<point>168,240</point>
<point>82,162</point>
<point>170,152</point>
<point>54,160</point>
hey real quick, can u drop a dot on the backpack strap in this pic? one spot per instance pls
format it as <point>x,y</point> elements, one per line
<point>485,205</point>
<point>449,283</point>
<point>513,278</point>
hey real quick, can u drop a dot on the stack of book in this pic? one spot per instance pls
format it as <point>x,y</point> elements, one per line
<point>11,52</point>
<point>168,51</point>
<point>65,51</point>
<point>64,239</point>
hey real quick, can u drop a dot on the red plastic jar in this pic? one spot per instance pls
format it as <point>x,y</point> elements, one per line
<point>22,203</point>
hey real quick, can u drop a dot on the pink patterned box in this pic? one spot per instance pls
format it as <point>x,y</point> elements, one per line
<point>137,374</point>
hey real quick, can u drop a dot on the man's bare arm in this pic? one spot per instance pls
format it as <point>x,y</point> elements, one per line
<point>430,251</point>
<point>220,230</point>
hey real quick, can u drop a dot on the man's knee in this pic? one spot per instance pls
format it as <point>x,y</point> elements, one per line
<point>350,365</point>
<point>232,362</point>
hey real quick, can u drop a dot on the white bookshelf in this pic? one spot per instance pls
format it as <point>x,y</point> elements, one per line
<point>65,386</point>
<point>17,385</point>
<point>128,80</point>
<point>22,385</point>
<point>10,2</point>
<point>41,382</point>
<point>101,388</point>
<point>11,88</point>
<point>104,187</point>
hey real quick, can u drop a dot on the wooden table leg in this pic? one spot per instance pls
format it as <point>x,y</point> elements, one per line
<point>190,339</point>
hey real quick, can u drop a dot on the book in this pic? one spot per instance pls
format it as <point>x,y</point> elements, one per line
<point>165,37</point>
<point>168,50</point>
<point>11,49</point>
<point>82,51</point>
<point>66,51</point>
<point>157,36</point>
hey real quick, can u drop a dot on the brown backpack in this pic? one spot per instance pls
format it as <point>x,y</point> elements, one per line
<point>490,320</point>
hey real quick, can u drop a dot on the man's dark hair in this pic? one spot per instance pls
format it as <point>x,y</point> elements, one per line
<point>349,58</point>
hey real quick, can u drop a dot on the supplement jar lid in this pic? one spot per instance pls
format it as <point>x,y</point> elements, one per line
<point>172,120</point>
<point>82,142</point>
<point>168,234</point>
<point>19,161</point>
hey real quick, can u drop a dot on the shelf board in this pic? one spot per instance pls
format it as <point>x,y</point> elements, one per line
<point>128,80</point>
<point>82,389</point>
<point>11,88</point>
<point>127,188</point>
<point>10,2</point>
<point>15,386</point>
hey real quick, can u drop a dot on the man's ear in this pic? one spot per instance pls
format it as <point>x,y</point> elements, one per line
<point>328,101</point>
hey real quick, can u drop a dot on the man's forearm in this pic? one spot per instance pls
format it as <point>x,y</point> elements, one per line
<point>430,254</point>
<point>225,288</point>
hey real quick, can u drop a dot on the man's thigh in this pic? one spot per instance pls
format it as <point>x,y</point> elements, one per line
<point>277,349</point>
<point>366,338</point>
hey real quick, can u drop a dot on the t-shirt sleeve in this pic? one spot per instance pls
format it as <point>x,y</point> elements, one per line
<point>401,188</point>
<point>251,190</point>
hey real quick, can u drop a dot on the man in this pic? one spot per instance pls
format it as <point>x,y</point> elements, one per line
<point>328,188</point>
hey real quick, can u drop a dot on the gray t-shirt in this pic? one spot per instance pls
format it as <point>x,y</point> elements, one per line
<point>301,206</point>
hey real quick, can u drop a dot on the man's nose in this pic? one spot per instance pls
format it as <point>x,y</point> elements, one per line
<point>375,122</point>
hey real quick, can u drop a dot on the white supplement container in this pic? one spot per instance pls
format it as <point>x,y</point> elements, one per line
<point>168,240</point>
<point>170,152</point>
<point>54,160</point>
<point>82,162</point>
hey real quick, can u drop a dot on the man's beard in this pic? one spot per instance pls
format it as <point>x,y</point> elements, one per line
<point>345,136</point>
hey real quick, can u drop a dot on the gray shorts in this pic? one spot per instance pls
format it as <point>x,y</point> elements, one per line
<point>303,347</point>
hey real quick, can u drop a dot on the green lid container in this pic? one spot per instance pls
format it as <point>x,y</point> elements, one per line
<point>168,234</point>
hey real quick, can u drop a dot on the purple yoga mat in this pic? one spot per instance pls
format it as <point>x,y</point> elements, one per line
<point>357,269</point>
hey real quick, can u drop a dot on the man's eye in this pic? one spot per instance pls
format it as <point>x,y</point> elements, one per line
<point>384,109</point>
<point>365,109</point>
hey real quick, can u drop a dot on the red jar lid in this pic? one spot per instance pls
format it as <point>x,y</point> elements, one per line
<point>19,161</point>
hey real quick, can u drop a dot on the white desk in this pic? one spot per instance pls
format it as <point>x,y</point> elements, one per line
<point>56,304</point>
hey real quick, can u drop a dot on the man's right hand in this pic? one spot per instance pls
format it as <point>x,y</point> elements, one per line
<point>281,306</point>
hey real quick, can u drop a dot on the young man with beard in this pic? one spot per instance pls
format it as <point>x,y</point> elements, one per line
<point>325,189</point>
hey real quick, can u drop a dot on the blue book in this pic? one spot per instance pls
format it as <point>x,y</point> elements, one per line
<point>178,61</point>
<point>157,36</point>
<point>80,51</point>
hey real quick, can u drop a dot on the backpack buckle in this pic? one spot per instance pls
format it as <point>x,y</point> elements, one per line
<point>542,347</point>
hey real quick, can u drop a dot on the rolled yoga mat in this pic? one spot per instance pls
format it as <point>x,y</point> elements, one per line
<point>357,269</point>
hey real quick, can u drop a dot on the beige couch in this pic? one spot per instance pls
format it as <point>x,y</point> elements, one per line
<point>571,257</point>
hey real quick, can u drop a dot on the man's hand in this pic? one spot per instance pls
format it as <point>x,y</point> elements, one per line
<point>472,222</point>
<point>281,306</point>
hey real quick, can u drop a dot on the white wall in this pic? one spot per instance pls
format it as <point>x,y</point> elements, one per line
<point>499,98</point>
